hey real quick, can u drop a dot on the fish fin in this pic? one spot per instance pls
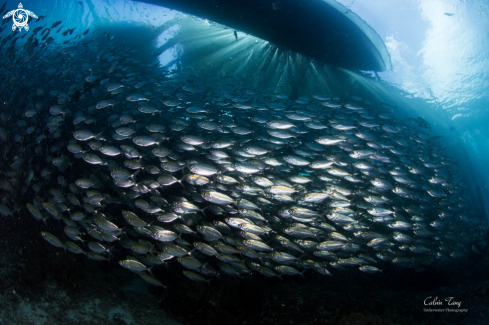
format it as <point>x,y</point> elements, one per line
<point>150,270</point>
<point>203,211</point>
<point>204,266</point>
<point>132,175</point>
<point>180,181</point>
<point>109,251</point>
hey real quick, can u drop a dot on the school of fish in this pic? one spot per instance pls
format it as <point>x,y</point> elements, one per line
<point>184,166</point>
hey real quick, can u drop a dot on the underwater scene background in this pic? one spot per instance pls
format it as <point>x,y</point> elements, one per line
<point>160,168</point>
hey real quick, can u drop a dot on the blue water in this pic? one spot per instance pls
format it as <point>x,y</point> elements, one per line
<point>440,61</point>
<point>438,48</point>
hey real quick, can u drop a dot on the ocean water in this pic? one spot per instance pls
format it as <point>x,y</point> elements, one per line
<point>189,87</point>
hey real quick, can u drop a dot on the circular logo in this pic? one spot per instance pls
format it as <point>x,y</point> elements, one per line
<point>20,18</point>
